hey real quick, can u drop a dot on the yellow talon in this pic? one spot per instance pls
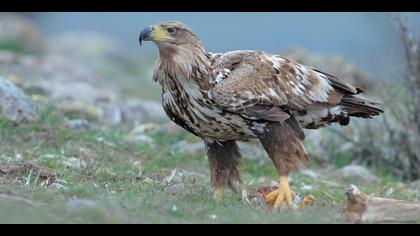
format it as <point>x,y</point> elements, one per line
<point>282,193</point>
<point>271,196</point>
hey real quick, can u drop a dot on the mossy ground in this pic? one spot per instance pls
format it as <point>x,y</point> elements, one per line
<point>102,179</point>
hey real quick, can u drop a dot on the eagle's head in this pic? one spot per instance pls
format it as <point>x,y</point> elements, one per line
<point>170,36</point>
<point>181,52</point>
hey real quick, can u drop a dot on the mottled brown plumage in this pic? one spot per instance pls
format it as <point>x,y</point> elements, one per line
<point>242,95</point>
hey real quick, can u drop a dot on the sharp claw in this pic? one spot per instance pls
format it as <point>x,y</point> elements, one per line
<point>289,200</point>
<point>279,200</point>
<point>271,196</point>
<point>283,193</point>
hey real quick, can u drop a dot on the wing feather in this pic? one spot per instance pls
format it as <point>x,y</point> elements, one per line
<point>259,80</point>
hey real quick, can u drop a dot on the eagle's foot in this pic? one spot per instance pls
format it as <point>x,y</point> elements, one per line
<point>218,194</point>
<point>283,193</point>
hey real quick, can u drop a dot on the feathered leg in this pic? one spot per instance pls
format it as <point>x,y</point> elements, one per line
<point>225,166</point>
<point>282,141</point>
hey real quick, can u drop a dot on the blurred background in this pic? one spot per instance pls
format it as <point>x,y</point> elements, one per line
<point>366,39</point>
<point>83,136</point>
<point>90,67</point>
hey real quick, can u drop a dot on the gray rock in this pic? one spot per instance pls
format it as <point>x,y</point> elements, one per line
<point>14,104</point>
<point>139,111</point>
<point>139,134</point>
<point>76,89</point>
<point>153,109</point>
<point>111,113</point>
<point>356,172</point>
<point>70,87</point>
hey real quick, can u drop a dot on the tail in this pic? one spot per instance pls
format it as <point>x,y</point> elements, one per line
<point>358,107</point>
<point>350,105</point>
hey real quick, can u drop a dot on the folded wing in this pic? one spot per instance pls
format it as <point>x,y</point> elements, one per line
<point>264,86</point>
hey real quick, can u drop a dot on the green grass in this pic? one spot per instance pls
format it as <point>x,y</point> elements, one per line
<point>102,179</point>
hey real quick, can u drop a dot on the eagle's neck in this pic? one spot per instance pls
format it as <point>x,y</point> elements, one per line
<point>185,64</point>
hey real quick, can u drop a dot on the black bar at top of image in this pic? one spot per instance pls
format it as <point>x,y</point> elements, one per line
<point>209,5</point>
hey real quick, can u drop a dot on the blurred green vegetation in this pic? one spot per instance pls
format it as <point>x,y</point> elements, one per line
<point>13,47</point>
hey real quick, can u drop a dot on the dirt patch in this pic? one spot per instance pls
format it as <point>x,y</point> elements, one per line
<point>11,171</point>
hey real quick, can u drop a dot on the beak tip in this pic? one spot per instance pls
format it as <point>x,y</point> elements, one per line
<point>145,34</point>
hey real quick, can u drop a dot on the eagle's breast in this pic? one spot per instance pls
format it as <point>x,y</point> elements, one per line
<point>190,107</point>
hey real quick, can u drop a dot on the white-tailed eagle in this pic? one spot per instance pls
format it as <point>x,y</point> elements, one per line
<point>243,95</point>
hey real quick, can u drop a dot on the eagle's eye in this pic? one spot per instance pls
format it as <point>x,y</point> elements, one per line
<point>171,30</point>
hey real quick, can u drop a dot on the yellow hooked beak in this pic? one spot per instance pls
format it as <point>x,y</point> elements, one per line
<point>153,33</point>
